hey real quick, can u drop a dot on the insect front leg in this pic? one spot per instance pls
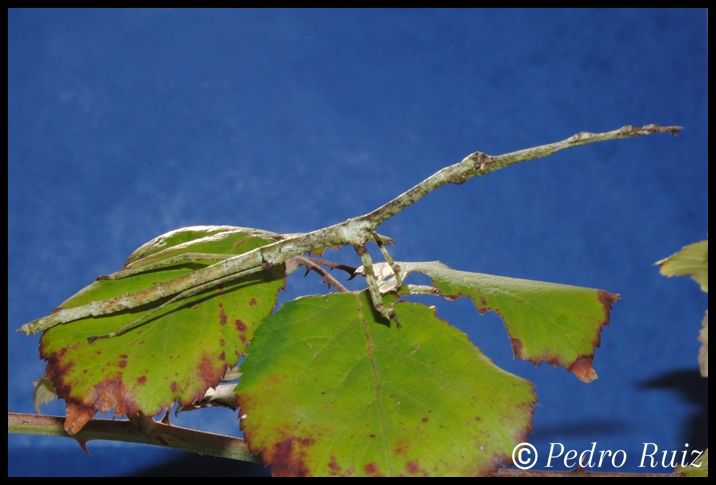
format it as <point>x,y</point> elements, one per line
<point>181,296</point>
<point>389,259</point>
<point>182,258</point>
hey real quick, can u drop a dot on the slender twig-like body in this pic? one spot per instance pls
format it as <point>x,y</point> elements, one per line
<point>355,232</point>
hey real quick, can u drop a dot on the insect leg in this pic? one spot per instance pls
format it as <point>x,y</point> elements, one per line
<point>186,257</point>
<point>375,296</point>
<point>389,259</point>
<point>184,294</point>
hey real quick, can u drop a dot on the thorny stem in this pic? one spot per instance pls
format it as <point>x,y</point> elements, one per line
<point>327,278</point>
<point>355,232</point>
<point>150,432</point>
<point>334,265</point>
<point>146,431</point>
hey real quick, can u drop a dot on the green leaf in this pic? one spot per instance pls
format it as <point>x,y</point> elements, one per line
<point>546,322</point>
<point>176,354</point>
<point>328,389</point>
<point>226,240</point>
<point>692,260</point>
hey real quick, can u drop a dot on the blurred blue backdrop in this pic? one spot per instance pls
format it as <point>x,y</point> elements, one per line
<point>125,124</point>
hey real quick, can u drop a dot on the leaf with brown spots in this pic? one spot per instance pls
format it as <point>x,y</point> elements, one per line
<point>546,322</point>
<point>176,354</point>
<point>328,389</point>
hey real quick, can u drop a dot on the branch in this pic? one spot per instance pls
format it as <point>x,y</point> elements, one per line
<point>149,432</point>
<point>312,264</point>
<point>355,232</point>
<point>144,430</point>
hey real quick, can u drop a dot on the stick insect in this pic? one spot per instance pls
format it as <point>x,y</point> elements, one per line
<point>354,232</point>
<point>227,268</point>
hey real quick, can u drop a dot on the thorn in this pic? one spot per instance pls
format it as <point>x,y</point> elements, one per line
<point>165,419</point>
<point>83,445</point>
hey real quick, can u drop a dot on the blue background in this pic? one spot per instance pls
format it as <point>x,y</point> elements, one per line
<point>125,124</point>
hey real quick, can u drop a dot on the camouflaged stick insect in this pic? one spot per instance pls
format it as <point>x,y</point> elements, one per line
<point>355,232</point>
<point>300,260</point>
